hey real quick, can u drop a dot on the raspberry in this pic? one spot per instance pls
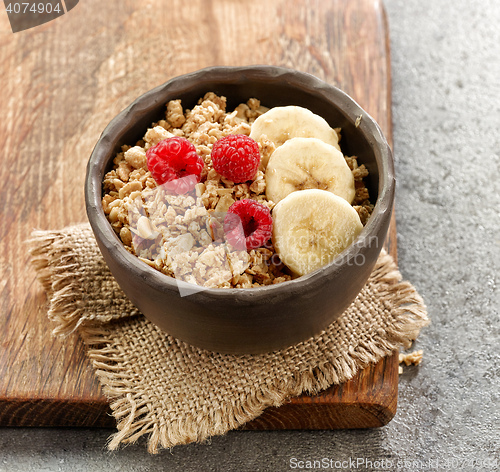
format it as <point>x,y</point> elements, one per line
<point>236,157</point>
<point>248,224</point>
<point>174,163</point>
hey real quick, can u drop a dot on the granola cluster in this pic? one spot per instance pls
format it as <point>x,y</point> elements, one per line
<point>181,235</point>
<point>361,202</point>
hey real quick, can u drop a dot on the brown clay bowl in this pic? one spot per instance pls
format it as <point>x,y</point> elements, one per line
<point>256,320</point>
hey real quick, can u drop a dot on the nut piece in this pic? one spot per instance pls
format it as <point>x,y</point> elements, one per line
<point>154,135</point>
<point>145,229</point>
<point>414,357</point>
<point>106,201</point>
<point>136,157</point>
<point>175,115</point>
<point>126,236</point>
<point>224,203</point>
<point>113,214</point>
<point>129,188</point>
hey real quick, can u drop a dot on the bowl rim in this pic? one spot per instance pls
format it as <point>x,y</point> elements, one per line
<point>146,102</point>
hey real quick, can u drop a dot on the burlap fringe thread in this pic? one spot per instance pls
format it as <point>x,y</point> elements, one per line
<point>56,257</point>
<point>60,271</point>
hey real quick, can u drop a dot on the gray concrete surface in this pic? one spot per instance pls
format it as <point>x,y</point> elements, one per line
<point>446,80</point>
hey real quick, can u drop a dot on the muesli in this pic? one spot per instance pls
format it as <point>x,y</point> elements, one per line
<point>206,221</point>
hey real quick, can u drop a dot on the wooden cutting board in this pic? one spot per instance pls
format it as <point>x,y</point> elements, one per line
<point>62,82</point>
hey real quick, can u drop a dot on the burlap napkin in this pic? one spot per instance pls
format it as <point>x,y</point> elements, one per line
<point>176,393</point>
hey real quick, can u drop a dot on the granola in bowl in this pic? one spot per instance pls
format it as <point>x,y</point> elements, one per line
<point>181,233</point>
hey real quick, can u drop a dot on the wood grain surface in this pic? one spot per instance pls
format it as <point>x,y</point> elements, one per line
<point>63,81</point>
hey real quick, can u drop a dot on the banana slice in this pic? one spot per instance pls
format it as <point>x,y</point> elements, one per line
<point>280,124</point>
<point>304,163</point>
<point>311,228</point>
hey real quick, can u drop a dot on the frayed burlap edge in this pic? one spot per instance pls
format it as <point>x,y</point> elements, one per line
<point>58,272</point>
<point>133,415</point>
